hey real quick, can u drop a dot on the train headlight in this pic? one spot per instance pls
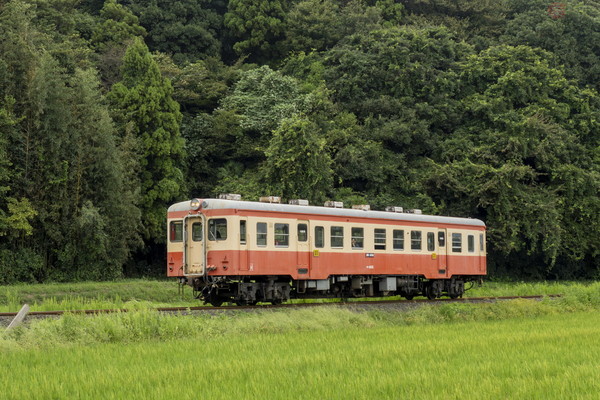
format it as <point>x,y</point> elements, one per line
<point>195,204</point>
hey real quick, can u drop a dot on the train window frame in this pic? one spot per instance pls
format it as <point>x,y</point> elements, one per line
<point>471,243</point>
<point>215,232</point>
<point>335,240</point>
<point>398,240</point>
<point>481,243</point>
<point>416,238</point>
<point>430,241</point>
<point>302,232</point>
<point>176,231</point>
<point>357,236</point>
<point>262,236</point>
<point>378,244</point>
<point>281,238</point>
<point>441,239</point>
<point>195,237</point>
<point>457,242</point>
<point>319,237</point>
<point>243,229</point>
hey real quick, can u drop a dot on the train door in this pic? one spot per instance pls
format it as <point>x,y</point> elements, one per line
<point>243,253</point>
<point>442,254</point>
<point>193,245</point>
<point>303,253</point>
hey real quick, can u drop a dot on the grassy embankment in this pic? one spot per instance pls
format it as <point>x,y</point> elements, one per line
<point>130,293</point>
<point>517,349</point>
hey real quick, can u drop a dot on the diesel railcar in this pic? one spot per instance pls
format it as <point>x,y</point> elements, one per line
<point>247,252</point>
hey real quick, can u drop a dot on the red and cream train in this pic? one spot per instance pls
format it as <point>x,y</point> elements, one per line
<point>248,252</point>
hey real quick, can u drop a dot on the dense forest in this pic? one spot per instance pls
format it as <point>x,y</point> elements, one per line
<point>112,110</point>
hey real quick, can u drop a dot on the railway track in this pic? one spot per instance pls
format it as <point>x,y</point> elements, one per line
<point>6,317</point>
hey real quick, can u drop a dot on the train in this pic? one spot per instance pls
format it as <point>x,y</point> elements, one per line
<point>246,252</point>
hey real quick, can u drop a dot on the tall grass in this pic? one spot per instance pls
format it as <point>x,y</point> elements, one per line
<point>550,357</point>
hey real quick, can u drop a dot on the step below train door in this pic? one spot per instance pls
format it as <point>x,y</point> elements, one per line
<point>303,252</point>
<point>193,245</point>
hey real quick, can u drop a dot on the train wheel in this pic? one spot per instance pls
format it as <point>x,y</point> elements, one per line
<point>429,292</point>
<point>409,297</point>
<point>276,302</point>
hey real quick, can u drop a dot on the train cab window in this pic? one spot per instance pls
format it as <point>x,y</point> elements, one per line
<point>319,237</point>
<point>456,242</point>
<point>471,243</point>
<point>442,239</point>
<point>242,232</point>
<point>337,236</point>
<point>282,235</point>
<point>176,231</point>
<point>197,231</point>
<point>379,239</point>
<point>261,233</point>
<point>302,232</point>
<point>430,241</point>
<point>217,229</point>
<point>398,235</point>
<point>358,238</point>
<point>415,240</point>
<point>481,243</point>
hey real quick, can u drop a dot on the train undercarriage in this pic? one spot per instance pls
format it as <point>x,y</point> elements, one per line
<point>277,289</point>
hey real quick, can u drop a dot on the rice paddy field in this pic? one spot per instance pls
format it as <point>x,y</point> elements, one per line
<point>520,349</point>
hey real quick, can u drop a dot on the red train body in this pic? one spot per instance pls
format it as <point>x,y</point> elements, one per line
<point>246,252</point>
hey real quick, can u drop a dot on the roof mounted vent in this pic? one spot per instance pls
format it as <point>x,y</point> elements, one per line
<point>334,204</point>
<point>230,196</point>
<point>414,211</point>
<point>298,202</point>
<point>270,199</point>
<point>364,207</point>
<point>394,209</point>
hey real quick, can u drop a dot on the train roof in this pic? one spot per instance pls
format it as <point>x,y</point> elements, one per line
<point>215,204</point>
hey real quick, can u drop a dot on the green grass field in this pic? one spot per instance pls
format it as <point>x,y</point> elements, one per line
<point>548,357</point>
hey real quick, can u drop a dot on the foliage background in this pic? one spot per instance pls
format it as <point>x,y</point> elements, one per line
<point>111,110</point>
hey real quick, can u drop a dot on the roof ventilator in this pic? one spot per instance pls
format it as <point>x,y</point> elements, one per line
<point>363,207</point>
<point>230,196</point>
<point>334,204</point>
<point>298,202</point>
<point>394,209</point>
<point>414,211</point>
<point>270,199</point>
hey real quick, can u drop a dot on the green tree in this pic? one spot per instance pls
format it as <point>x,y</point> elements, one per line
<point>185,29</point>
<point>522,158</point>
<point>144,107</point>
<point>297,164</point>
<point>258,27</point>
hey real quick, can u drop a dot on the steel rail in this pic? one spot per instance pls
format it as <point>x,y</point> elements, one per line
<point>292,305</point>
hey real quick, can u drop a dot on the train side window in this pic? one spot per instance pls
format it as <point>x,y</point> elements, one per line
<point>430,241</point>
<point>261,233</point>
<point>217,229</point>
<point>197,231</point>
<point>358,237</point>
<point>481,243</point>
<point>176,231</point>
<point>319,237</point>
<point>302,232</point>
<point>379,239</point>
<point>242,232</point>
<point>282,235</point>
<point>442,239</point>
<point>415,240</point>
<point>471,243</point>
<point>456,242</point>
<point>337,236</point>
<point>398,239</point>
